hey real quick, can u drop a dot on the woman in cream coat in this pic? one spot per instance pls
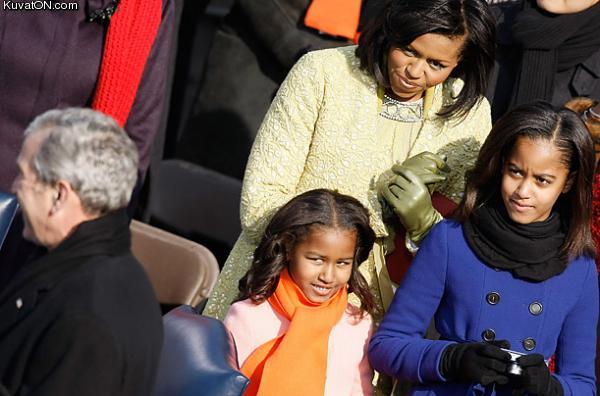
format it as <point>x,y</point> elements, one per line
<point>334,124</point>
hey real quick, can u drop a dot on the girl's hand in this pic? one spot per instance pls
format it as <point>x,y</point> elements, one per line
<point>535,378</point>
<point>475,362</point>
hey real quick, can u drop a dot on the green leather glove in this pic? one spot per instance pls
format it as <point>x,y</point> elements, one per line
<point>410,200</point>
<point>423,164</point>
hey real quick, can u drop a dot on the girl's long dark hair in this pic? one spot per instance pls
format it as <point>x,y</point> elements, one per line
<point>562,127</point>
<point>290,226</point>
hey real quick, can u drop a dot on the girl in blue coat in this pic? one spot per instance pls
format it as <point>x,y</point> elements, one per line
<point>514,269</point>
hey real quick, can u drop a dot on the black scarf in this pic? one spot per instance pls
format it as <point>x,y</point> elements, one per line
<point>529,251</point>
<point>107,235</point>
<point>551,43</point>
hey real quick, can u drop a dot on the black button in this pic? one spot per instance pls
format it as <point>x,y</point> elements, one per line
<point>493,298</point>
<point>488,335</point>
<point>535,308</point>
<point>529,344</point>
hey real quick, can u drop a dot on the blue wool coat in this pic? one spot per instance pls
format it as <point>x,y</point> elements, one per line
<point>472,301</point>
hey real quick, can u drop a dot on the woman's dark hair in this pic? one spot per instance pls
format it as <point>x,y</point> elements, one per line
<point>291,225</point>
<point>562,127</point>
<point>400,22</point>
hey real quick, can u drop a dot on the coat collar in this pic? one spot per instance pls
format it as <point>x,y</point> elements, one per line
<point>107,235</point>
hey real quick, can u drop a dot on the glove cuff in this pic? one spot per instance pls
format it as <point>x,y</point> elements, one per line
<point>450,361</point>
<point>417,236</point>
<point>555,387</point>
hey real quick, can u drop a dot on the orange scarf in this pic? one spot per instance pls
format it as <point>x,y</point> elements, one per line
<point>295,363</point>
<point>334,17</point>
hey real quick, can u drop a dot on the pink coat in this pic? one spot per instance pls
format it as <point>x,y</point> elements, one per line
<point>348,369</point>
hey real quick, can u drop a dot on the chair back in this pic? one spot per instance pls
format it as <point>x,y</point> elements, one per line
<point>181,271</point>
<point>195,201</point>
<point>8,210</point>
<point>198,357</point>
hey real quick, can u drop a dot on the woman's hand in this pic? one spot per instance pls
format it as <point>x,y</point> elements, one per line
<point>410,199</point>
<point>423,165</point>
<point>409,191</point>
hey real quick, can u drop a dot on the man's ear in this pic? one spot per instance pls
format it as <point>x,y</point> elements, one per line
<point>570,181</point>
<point>61,195</point>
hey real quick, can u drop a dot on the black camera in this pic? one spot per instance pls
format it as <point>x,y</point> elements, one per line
<point>513,367</point>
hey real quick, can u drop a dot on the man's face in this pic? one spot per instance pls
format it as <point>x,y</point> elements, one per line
<point>35,198</point>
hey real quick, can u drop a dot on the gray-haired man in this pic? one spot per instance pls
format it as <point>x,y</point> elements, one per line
<point>82,319</point>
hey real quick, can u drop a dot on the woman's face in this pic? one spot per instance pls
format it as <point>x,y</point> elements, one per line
<point>533,177</point>
<point>424,63</point>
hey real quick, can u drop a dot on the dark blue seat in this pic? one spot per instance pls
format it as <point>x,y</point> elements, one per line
<point>8,209</point>
<point>198,357</point>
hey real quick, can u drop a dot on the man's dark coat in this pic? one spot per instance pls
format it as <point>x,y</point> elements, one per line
<point>83,319</point>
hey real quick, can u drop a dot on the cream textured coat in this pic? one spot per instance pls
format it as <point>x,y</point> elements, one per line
<point>323,130</point>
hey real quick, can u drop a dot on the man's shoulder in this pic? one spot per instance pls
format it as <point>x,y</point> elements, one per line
<point>112,291</point>
<point>106,277</point>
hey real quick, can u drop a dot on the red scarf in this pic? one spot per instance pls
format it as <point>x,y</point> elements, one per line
<point>295,363</point>
<point>131,34</point>
<point>334,17</point>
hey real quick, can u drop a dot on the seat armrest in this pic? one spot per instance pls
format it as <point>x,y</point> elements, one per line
<point>198,357</point>
<point>8,209</point>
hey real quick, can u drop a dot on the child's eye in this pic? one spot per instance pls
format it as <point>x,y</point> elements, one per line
<point>542,180</point>
<point>344,263</point>
<point>515,171</point>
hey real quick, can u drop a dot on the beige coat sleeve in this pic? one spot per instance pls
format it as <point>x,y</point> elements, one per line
<point>279,153</point>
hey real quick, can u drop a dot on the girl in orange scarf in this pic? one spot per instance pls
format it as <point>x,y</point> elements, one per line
<point>295,332</point>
